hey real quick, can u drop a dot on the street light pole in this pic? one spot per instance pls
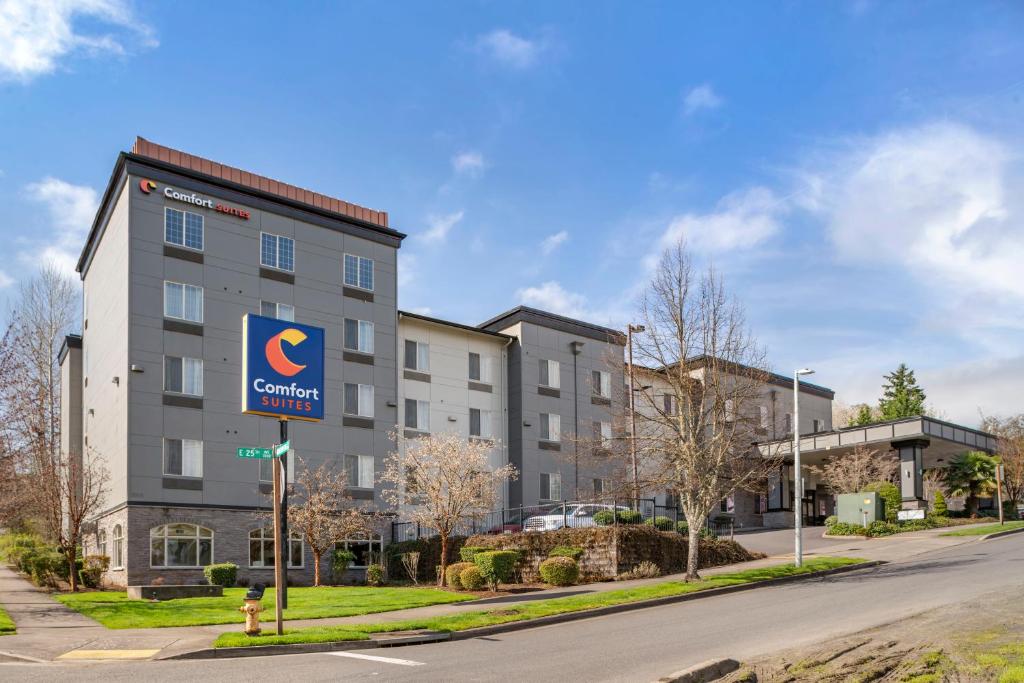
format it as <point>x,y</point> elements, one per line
<point>630,329</point>
<point>798,480</point>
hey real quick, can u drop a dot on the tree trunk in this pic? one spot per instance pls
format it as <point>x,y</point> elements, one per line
<point>316,568</point>
<point>72,574</point>
<point>972,505</point>
<point>693,552</point>
<point>444,560</point>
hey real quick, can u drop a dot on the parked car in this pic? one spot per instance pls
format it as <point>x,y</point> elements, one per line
<point>575,515</point>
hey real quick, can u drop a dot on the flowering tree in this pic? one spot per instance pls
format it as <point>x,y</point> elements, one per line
<point>323,512</point>
<point>442,479</point>
<point>850,473</point>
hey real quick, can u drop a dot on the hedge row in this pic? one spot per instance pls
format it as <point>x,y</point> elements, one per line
<point>430,555</point>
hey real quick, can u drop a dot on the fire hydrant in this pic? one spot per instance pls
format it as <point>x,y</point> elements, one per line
<point>251,609</point>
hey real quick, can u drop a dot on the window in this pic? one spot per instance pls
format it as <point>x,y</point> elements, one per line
<point>602,384</point>
<point>101,542</point>
<point>550,486</point>
<point>417,356</point>
<point>669,404</point>
<point>603,433</point>
<point>787,424</point>
<point>728,505</point>
<point>183,228</point>
<point>180,545</point>
<point>417,415</point>
<point>359,335</point>
<point>183,375</point>
<point>184,302</point>
<point>358,272</point>
<point>261,549</point>
<point>602,486</point>
<point>550,427</point>
<point>730,412</point>
<point>360,471</point>
<point>117,561</point>
<point>366,550</point>
<point>272,309</point>
<point>277,252</point>
<point>359,399</point>
<point>818,425</point>
<point>479,368</point>
<point>480,423</point>
<point>183,458</point>
<point>549,374</point>
<point>763,421</point>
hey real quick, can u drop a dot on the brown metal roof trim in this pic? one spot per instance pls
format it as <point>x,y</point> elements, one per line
<point>144,147</point>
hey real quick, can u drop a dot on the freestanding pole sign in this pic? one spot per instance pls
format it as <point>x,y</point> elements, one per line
<point>282,377</point>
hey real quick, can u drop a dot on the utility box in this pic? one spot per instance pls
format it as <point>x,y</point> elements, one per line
<point>851,508</point>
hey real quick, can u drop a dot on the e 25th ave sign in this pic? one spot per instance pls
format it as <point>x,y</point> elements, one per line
<point>258,453</point>
<point>282,369</point>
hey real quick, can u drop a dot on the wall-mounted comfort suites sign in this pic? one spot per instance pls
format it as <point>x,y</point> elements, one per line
<point>148,186</point>
<point>282,368</point>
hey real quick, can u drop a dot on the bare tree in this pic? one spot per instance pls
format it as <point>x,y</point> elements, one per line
<point>324,513</point>
<point>714,374</point>
<point>443,479</point>
<point>1010,447</point>
<point>850,473</point>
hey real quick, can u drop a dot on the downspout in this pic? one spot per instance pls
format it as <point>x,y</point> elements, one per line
<point>506,429</point>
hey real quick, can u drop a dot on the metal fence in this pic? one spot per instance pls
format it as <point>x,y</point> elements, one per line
<point>566,515</point>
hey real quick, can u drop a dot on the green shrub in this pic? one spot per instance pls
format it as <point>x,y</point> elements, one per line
<point>660,523</point>
<point>559,571</point>
<point>846,529</point>
<point>566,551</point>
<point>375,575</point>
<point>891,495</point>
<point>430,554</point>
<point>471,578</point>
<point>939,508</point>
<point>468,552</point>
<point>683,527</point>
<point>340,561</point>
<point>880,528</point>
<point>630,517</point>
<point>224,574</point>
<point>93,567</point>
<point>916,525</point>
<point>452,573</point>
<point>497,566</point>
<point>44,565</point>
<point>831,520</point>
<point>604,518</point>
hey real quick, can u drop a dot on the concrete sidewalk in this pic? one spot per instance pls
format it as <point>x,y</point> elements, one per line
<point>48,630</point>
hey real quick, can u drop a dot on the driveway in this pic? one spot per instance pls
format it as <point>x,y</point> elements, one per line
<point>774,542</point>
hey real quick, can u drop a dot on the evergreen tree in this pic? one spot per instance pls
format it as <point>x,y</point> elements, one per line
<point>901,397</point>
<point>863,417</point>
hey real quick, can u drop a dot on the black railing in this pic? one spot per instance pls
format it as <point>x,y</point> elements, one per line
<point>566,515</point>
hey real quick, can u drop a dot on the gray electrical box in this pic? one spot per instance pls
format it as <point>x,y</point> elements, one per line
<point>851,508</point>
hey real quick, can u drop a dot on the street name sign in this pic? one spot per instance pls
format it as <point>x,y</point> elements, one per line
<point>282,449</point>
<point>258,453</point>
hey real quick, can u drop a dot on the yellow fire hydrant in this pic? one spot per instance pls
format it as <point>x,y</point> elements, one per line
<point>251,609</point>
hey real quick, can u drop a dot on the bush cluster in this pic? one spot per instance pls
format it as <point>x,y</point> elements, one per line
<point>497,566</point>
<point>471,578</point>
<point>559,571</point>
<point>430,554</point>
<point>660,523</point>
<point>607,517</point>
<point>93,567</point>
<point>566,551</point>
<point>376,575</point>
<point>469,552</point>
<point>891,495</point>
<point>644,570</point>
<point>224,574</point>
<point>453,572</point>
<point>43,563</point>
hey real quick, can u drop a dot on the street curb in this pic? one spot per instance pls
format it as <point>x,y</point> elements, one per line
<point>854,537</point>
<point>711,670</point>
<point>1000,534</point>
<point>305,648</point>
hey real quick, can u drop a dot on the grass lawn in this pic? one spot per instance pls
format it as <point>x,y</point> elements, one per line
<point>986,529</point>
<point>542,608</point>
<point>6,625</point>
<point>113,609</point>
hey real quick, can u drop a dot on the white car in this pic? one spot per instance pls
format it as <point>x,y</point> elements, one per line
<point>576,515</point>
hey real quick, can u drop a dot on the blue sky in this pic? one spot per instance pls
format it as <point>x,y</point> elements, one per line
<point>852,169</point>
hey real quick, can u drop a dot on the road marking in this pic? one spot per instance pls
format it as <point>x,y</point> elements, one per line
<point>109,654</point>
<point>36,660</point>
<point>375,658</point>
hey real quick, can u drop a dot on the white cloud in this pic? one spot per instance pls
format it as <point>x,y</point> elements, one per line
<point>72,209</point>
<point>740,220</point>
<point>440,226</point>
<point>5,280</point>
<point>963,392</point>
<point>510,50</point>
<point>552,242</point>
<point>468,163</point>
<point>35,35</point>
<point>941,200</point>
<point>551,296</point>
<point>701,97</point>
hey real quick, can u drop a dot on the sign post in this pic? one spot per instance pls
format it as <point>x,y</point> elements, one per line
<point>999,491</point>
<point>282,377</point>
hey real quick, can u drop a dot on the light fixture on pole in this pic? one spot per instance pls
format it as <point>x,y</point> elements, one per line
<point>630,329</point>
<point>798,480</point>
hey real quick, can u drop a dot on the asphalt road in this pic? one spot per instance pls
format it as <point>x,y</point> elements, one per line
<point>780,541</point>
<point>633,646</point>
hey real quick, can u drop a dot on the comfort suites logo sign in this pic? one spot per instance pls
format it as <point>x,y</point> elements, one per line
<point>148,186</point>
<point>282,368</point>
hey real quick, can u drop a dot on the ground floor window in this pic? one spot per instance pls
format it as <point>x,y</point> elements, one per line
<point>101,542</point>
<point>180,545</point>
<point>261,549</point>
<point>117,561</point>
<point>366,550</point>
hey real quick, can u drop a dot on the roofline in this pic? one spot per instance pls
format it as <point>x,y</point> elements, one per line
<point>614,336</point>
<point>884,423</point>
<point>123,158</point>
<point>773,378</point>
<point>71,341</point>
<point>449,323</point>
